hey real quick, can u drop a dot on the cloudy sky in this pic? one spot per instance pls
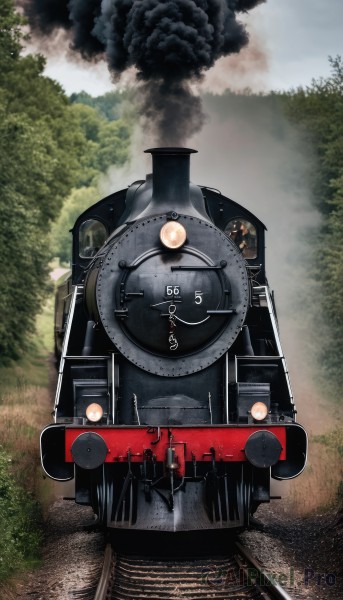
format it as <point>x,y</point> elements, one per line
<point>292,38</point>
<point>299,36</point>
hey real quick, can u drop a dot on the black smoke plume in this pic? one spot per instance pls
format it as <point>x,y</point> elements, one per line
<point>170,42</point>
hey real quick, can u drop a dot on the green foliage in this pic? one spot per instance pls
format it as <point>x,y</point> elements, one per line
<point>40,142</point>
<point>10,37</point>
<point>23,270</point>
<point>78,201</point>
<point>109,106</point>
<point>115,144</point>
<point>106,143</point>
<point>333,439</point>
<point>20,522</point>
<point>47,146</point>
<point>318,112</point>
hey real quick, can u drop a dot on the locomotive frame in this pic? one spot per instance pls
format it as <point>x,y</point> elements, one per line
<point>180,445</point>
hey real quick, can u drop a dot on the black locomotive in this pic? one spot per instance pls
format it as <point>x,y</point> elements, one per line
<point>173,406</point>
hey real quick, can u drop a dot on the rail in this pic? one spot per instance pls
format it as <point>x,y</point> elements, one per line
<point>125,577</point>
<point>266,583</point>
<point>104,585</point>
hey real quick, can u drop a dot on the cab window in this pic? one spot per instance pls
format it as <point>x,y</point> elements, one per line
<point>243,234</point>
<point>92,235</point>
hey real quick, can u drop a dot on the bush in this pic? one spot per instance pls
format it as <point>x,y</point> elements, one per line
<point>20,519</point>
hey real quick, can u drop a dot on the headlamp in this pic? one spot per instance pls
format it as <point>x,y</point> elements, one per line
<point>173,235</point>
<point>259,411</point>
<point>94,412</point>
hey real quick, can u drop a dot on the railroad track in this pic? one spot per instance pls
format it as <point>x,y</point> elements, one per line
<point>236,577</point>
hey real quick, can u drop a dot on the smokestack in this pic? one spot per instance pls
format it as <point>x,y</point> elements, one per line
<point>171,187</point>
<point>170,179</point>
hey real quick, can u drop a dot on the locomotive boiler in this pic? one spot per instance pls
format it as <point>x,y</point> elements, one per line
<point>173,407</point>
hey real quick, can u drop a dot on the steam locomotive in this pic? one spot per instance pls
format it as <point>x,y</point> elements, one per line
<point>173,407</point>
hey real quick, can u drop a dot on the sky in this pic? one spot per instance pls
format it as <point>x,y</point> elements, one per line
<point>290,42</point>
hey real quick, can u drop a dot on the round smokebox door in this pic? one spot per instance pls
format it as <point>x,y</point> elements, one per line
<point>172,313</point>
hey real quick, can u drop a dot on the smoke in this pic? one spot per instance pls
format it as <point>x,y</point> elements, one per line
<point>241,72</point>
<point>171,112</point>
<point>171,43</point>
<point>251,153</point>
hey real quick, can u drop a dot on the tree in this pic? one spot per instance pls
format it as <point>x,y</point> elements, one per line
<point>78,201</point>
<point>110,106</point>
<point>106,143</point>
<point>318,112</point>
<point>114,144</point>
<point>40,142</point>
<point>10,37</point>
<point>22,237</point>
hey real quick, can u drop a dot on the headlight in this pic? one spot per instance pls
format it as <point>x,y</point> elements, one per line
<point>259,411</point>
<point>94,412</point>
<point>173,235</point>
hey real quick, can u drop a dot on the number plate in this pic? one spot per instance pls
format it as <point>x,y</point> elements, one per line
<point>172,291</point>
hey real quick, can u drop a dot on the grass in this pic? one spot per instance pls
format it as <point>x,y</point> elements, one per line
<point>333,442</point>
<point>333,439</point>
<point>25,407</point>
<point>32,369</point>
<point>320,487</point>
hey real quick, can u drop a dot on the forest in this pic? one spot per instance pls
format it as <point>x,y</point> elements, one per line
<point>54,150</point>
